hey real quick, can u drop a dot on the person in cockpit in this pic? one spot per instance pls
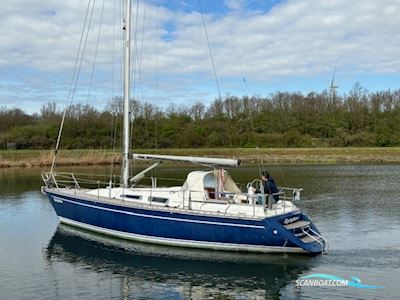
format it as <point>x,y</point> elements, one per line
<point>269,185</point>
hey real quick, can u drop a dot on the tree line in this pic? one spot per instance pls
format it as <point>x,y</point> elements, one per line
<point>283,119</point>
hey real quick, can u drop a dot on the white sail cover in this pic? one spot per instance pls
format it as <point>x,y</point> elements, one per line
<point>199,180</point>
<point>209,161</point>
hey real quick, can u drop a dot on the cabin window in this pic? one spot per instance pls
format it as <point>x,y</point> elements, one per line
<point>158,199</point>
<point>136,197</point>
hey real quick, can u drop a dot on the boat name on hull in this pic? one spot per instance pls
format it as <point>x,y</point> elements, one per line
<point>291,220</point>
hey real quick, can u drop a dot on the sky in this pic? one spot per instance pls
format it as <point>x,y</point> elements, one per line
<point>258,47</point>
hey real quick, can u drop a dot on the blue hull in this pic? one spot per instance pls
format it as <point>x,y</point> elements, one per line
<point>181,229</point>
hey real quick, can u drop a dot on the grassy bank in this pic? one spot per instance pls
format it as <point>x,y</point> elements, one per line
<point>30,158</point>
<point>38,158</point>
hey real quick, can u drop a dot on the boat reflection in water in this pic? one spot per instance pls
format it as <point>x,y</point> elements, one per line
<point>148,271</point>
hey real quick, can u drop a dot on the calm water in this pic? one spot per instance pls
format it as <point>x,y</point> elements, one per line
<point>355,206</point>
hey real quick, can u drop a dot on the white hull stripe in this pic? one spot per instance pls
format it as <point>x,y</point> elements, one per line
<point>183,243</point>
<point>57,199</point>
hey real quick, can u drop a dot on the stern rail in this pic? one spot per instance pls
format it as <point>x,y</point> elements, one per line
<point>319,239</point>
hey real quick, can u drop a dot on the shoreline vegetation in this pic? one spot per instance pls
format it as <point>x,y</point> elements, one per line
<point>280,120</point>
<point>349,155</point>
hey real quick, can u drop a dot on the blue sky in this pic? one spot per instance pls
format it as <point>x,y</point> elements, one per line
<point>220,7</point>
<point>291,45</point>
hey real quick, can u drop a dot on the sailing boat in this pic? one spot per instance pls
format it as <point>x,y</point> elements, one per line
<point>208,211</point>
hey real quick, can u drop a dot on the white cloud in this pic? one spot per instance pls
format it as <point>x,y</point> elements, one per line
<point>235,4</point>
<point>294,38</point>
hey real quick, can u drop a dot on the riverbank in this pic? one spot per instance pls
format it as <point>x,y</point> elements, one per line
<point>34,158</point>
<point>41,158</point>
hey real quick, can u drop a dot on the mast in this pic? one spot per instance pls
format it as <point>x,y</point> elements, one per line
<point>127,50</point>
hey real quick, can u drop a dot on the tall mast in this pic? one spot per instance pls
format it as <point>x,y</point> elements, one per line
<point>127,50</point>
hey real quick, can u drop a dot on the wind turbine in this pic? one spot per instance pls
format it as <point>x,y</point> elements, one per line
<point>333,86</point>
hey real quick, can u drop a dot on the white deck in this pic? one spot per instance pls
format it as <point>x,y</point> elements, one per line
<point>204,192</point>
<point>178,200</point>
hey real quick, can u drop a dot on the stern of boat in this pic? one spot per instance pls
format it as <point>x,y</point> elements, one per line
<point>298,230</point>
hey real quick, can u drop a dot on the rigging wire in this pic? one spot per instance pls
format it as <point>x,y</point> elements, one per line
<point>139,37</point>
<point>134,49</point>
<point>213,66</point>
<point>156,83</point>
<point>133,73</point>
<point>209,49</point>
<point>114,119</point>
<point>112,91</point>
<point>133,78</point>
<point>83,52</point>
<point>154,172</point>
<point>136,70</point>
<point>140,83</point>
<point>75,77</point>
<point>95,53</point>
<point>260,164</point>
